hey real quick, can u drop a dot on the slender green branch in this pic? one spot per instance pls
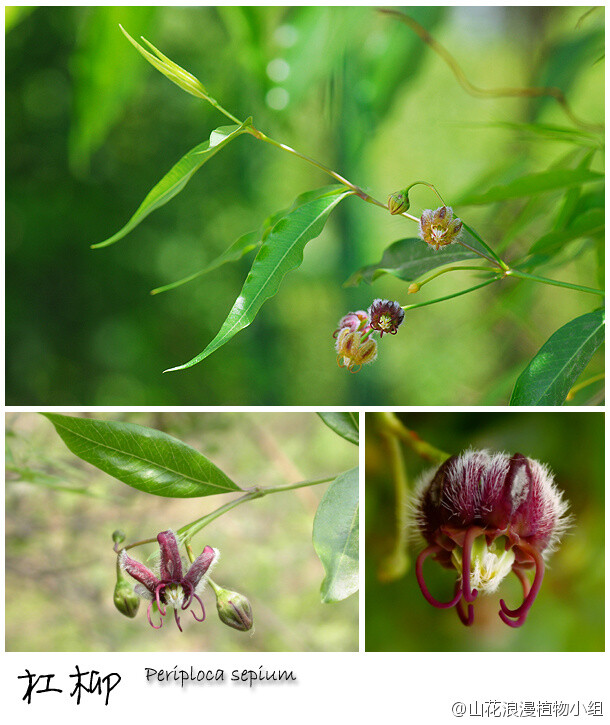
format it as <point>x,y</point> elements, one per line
<point>584,384</point>
<point>454,268</point>
<point>390,423</point>
<point>497,258</point>
<point>187,532</point>
<point>556,283</point>
<point>495,278</point>
<point>396,564</point>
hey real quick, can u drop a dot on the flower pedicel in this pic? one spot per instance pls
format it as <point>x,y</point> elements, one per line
<point>485,515</point>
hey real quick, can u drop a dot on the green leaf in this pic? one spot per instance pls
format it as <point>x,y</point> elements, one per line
<point>535,184</point>
<point>344,424</point>
<point>590,223</point>
<point>551,132</point>
<point>555,367</point>
<point>171,70</point>
<point>177,178</point>
<point>141,457</point>
<point>242,246</point>
<point>335,537</point>
<point>410,258</point>
<point>281,252</point>
<point>247,242</point>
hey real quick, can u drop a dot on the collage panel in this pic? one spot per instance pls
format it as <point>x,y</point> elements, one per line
<point>497,532</point>
<point>124,531</point>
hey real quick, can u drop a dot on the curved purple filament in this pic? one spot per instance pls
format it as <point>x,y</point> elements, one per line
<point>521,612</point>
<point>177,618</point>
<point>469,595</point>
<point>162,609</point>
<point>419,566</point>
<point>202,609</point>
<point>465,619</point>
<point>191,589</point>
<point>154,626</point>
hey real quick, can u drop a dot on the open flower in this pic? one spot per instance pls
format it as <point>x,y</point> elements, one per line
<point>386,316</point>
<point>438,228</point>
<point>170,588</point>
<point>354,350</point>
<point>486,515</point>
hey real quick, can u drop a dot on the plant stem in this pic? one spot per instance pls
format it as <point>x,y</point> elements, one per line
<point>454,268</point>
<point>584,384</point>
<point>393,425</point>
<point>525,275</point>
<point>477,251</point>
<point>187,532</point>
<point>455,294</point>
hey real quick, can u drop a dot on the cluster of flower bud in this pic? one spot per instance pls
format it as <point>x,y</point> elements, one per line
<point>355,345</point>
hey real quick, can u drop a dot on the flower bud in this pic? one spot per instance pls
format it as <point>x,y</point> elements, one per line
<point>386,316</point>
<point>354,321</point>
<point>125,599</point>
<point>234,609</point>
<point>398,202</point>
<point>438,228</point>
<point>413,288</point>
<point>353,351</point>
<point>118,536</point>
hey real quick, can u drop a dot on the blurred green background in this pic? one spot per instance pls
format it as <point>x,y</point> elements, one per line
<point>91,127</point>
<point>568,614</point>
<point>60,567</point>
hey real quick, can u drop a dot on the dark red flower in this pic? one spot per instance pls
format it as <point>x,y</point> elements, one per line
<point>486,515</point>
<point>386,316</point>
<point>170,588</point>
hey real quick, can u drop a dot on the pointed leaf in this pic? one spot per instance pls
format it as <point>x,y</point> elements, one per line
<point>344,424</point>
<point>141,457</point>
<point>408,259</point>
<point>555,367</point>
<point>177,178</point>
<point>535,184</point>
<point>281,252</point>
<point>335,537</point>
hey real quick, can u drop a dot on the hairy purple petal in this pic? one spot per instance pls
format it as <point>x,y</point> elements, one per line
<point>139,572</point>
<point>171,563</point>
<point>199,567</point>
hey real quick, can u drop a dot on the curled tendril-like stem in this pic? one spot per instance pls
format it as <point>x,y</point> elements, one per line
<point>187,601</point>
<point>154,626</point>
<point>162,609</point>
<point>419,573</point>
<point>177,618</point>
<point>469,595</point>
<point>521,612</point>
<point>202,609</point>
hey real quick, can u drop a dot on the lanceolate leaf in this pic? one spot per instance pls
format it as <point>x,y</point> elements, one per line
<point>535,184</point>
<point>247,242</point>
<point>240,247</point>
<point>344,424</point>
<point>177,178</point>
<point>408,259</point>
<point>335,537</point>
<point>281,252</point>
<point>588,224</point>
<point>556,366</point>
<point>143,458</point>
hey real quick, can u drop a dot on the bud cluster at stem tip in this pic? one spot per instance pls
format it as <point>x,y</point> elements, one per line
<point>485,515</point>
<point>355,345</point>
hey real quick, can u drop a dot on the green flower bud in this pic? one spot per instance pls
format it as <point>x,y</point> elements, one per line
<point>118,536</point>
<point>398,202</point>
<point>234,609</point>
<point>125,599</point>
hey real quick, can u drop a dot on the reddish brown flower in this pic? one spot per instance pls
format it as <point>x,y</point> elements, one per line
<point>438,228</point>
<point>485,515</point>
<point>386,316</point>
<point>171,587</point>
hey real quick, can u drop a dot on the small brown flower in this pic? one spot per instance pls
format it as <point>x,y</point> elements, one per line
<point>438,228</point>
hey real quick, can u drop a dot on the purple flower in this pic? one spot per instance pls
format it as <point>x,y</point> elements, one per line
<point>486,515</point>
<point>354,321</point>
<point>170,588</point>
<point>386,316</point>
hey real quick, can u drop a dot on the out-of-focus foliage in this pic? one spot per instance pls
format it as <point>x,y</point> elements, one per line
<point>60,567</point>
<point>568,614</point>
<point>90,129</point>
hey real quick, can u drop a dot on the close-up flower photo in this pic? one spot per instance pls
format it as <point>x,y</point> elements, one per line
<point>485,531</point>
<point>119,527</point>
